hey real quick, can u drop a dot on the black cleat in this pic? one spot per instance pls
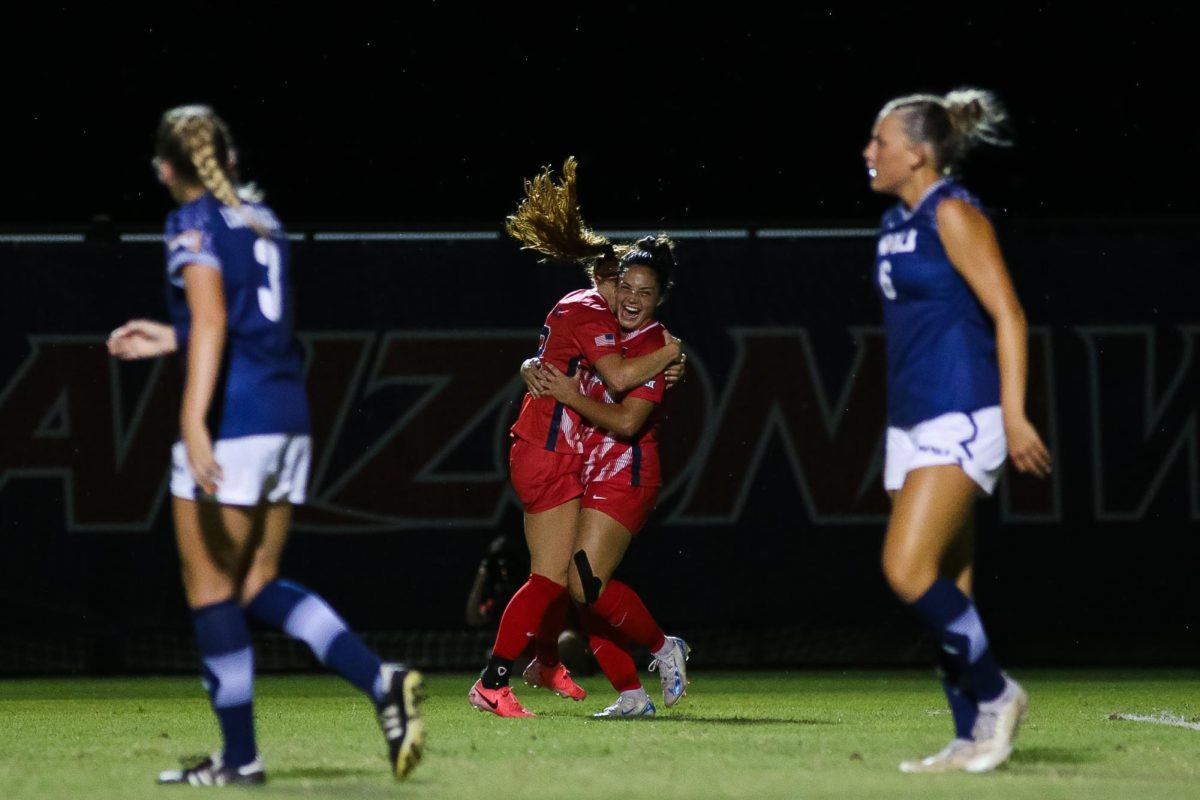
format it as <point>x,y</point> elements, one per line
<point>400,717</point>
<point>209,771</point>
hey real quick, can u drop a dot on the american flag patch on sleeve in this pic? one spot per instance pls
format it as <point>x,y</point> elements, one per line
<point>607,340</point>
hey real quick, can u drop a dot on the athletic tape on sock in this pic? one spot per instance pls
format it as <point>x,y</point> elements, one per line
<point>591,584</point>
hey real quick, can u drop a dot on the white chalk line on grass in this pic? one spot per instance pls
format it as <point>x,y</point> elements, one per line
<point>1161,718</point>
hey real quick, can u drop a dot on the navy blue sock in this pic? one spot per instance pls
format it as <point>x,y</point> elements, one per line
<point>952,618</point>
<point>962,705</point>
<point>224,643</point>
<point>304,615</point>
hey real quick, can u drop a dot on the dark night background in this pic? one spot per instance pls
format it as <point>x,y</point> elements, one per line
<point>430,113</point>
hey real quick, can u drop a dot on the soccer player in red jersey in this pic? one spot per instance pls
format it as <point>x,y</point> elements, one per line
<point>621,480</point>
<point>546,461</point>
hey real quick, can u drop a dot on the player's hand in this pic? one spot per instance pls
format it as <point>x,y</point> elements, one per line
<point>676,372</point>
<point>142,338</point>
<point>676,341</point>
<point>535,379</point>
<point>558,385</point>
<point>1026,449</point>
<point>201,461</point>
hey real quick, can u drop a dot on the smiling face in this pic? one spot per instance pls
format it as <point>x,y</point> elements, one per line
<point>890,156</point>
<point>638,297</point>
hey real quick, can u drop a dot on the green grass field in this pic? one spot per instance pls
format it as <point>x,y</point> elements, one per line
<point>760,735</point>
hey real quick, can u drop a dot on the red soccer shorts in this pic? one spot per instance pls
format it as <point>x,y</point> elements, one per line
<point>628,505</point>
<point>544,478</point>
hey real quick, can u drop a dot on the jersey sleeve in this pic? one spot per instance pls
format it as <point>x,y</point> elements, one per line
<point>596,334</point>
<point>189,240</point>
<point>654,388</point>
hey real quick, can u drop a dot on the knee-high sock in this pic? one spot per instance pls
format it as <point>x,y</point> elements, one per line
<point>952,618</point>
<point>304,615</point>
<point>520,622</point>
<point>228,662</point>
<point>611,650</point>
<point>621,608</point>
<point>962,705</point>
<point>553,623</point>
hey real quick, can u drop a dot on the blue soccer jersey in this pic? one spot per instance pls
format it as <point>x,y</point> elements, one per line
<point>261,385</point>
<point>941,343</point>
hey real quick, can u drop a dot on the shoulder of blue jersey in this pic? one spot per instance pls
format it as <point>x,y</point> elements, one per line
<point>196,215</point>
<point>956,191</point>
<point>189,239</point>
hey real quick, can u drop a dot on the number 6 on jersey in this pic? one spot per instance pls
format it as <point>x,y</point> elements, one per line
<point>885,280</point>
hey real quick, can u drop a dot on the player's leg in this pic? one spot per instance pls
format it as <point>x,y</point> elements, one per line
<point>546,670</point>
<point>548,486</point>
<point>611,651</point>
<point>211,540</point>
<point>290,607</point>
<point>397,692</point>
<point>930,511</point>
<point>995,722</point>
<point>600,544</point>
<point>958,566</point>
<point>548,534</point>
<point>602,538</point>
<point>303,614</point>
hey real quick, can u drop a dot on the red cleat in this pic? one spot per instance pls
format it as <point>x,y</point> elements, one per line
<point>557,679</point>
<point>500,702</point>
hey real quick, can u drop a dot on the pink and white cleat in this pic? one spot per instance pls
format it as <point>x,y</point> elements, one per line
<point>500,702</point>
<point>557,679</point>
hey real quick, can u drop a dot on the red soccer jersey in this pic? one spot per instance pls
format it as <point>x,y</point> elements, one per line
<point>612,458</point>
<point>579,330</point>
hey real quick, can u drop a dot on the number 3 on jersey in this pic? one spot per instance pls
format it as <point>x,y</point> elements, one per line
<point>270,297</point>
<point>545,337</point>
<point>885,280</point>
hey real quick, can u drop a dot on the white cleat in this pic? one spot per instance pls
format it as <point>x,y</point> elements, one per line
<point>953,756</point>
<point>672,670</point>
<point>996,727</point>
<point>211,772</point>
<point>629,705</point>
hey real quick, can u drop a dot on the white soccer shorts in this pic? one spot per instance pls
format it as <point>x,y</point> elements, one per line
<point>271,467</point>
<point>974,441</point>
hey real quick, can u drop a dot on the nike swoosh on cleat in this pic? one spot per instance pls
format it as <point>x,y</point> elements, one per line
<point>489,703</point>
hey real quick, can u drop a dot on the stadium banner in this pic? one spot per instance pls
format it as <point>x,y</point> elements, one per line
<point>772,447</point>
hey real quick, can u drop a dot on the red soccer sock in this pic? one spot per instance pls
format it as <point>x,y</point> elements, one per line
<point>554,620</point>
<point>611,651</point>
<point>621,608</point>
<point>523,615</point>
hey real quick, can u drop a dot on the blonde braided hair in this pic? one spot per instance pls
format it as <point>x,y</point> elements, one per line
<point>548,221</point>
<point>198,130</point>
